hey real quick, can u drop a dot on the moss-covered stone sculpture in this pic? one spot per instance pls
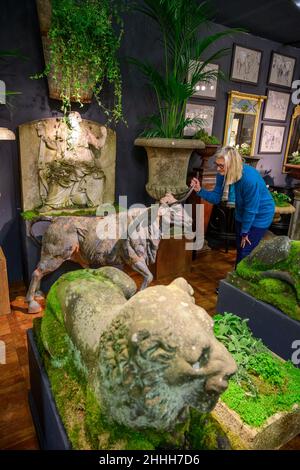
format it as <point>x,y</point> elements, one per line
<point>124,372</point>
<point>271,273</point>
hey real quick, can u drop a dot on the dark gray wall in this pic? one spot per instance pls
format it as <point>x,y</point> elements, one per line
<point>19,30</point>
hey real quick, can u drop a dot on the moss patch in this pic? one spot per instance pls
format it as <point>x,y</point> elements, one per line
<point>74,212</point>
<point>79,409</point>
<point>84,422</point>
<point>264,385</point>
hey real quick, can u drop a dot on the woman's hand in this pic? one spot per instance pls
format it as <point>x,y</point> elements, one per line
<point>195,183</point>
<point>244,241</point>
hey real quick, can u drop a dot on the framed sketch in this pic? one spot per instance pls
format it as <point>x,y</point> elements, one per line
<point>245,64</point>
<point>201,111</point>
<point>206,89</point>
<point>271,138</point>
<point>281,70</point>
<point>277,105</point>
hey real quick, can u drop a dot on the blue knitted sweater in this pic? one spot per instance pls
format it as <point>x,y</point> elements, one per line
<point>254,205</point>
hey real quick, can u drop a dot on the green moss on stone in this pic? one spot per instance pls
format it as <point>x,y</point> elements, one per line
<point>73,212</point>
<point>248,276</point>
<point>30,215</point>
<point>277,293</point>
<point>205,433</point>
<point>88,428</point>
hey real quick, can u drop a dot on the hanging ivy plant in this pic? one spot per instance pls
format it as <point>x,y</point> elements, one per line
<point>85,37</point>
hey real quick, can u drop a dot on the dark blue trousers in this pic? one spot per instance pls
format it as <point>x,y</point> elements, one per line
<point>255,235</point>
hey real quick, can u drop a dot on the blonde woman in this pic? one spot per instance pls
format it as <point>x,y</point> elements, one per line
<point>254,205</point>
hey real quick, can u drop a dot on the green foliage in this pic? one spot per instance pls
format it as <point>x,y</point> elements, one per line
<point>280,199</point>
<point>85,37</point>
<point>264,365</point>
<point>237,338</point>
<point>294,159</point>
<point>206,138</point>
<point>244,149</point>
<point>263,385</point>
<point>180,22</point>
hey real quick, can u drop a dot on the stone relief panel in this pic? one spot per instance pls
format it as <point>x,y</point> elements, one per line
<point>66,164</point>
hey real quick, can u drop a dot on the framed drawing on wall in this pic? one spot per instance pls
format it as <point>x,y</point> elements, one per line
<point>281,70</point>
<point>206,89</point>
<point>271,138</point>
<point>277,105</point>
<point>201,111</point>
<point>245,64</point>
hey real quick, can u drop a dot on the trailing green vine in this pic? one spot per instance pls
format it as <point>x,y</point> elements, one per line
<point>85,36</point>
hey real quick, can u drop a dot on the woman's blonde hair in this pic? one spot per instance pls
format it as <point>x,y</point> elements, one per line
<point>233,164</point>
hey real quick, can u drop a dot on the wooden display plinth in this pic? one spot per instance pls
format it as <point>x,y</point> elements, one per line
<point>4,290</point>
<point>172,259</point>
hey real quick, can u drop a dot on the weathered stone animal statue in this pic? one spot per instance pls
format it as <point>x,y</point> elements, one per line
<point>134,240</point>
<point>272,273</point>
<point>146,359</point>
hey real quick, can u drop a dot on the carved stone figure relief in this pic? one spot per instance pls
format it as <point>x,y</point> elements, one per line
<point>66,164</point>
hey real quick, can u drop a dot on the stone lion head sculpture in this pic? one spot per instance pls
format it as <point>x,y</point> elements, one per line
<point>149,358</point>
<point>159,357</point>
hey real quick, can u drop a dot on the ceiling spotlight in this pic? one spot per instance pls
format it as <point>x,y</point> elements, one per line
<point>297,3</point>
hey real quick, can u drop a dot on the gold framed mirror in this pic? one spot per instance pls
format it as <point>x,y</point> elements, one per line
<point>243,112</point>
<point>292,162</point>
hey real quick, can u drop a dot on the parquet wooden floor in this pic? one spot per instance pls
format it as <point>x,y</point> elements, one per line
<point>16,427</point>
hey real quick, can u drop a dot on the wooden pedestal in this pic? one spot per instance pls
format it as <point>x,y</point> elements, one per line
<point>4,291</point>
<point>207,179</point>
<point>172,259</point>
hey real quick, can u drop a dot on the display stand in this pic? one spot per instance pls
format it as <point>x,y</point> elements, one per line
<point>280,333</point>
<point>48,425</point>
<point>4,289</point>
<point>172,259</point>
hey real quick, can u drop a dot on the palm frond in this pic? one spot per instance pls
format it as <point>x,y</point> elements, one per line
<point>180,22</point>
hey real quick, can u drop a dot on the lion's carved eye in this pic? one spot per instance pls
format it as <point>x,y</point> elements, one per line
<point>204,358</point>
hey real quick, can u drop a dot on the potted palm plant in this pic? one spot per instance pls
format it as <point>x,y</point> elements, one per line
<point>80,42</point>
<point>180,23</point>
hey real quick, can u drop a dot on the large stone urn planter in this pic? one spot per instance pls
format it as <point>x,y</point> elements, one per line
<point>168,161</point>
<point>44,9</point>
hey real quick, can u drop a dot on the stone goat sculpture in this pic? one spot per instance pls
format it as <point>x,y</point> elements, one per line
<point>134,241</point>
<point>147,357</point>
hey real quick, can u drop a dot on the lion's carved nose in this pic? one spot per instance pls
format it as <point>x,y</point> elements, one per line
<point>217,383</point>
